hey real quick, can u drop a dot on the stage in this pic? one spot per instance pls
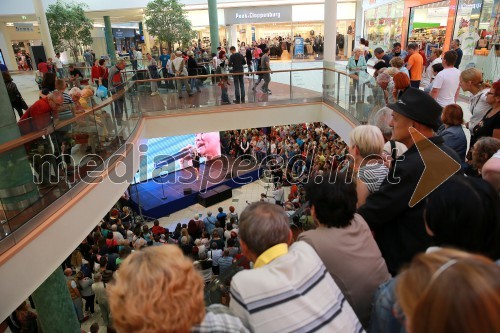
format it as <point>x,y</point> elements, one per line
<point>165,195</point>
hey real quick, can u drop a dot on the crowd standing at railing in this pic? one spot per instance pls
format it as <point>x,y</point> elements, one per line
<point>388,284</point>
<point>440,79</point>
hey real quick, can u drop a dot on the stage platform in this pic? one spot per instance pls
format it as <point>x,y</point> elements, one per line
<point>162,196</point>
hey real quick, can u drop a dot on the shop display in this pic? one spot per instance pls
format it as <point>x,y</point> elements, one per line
<point>383,25</point>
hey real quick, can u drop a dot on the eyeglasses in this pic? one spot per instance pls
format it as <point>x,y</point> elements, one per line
<point>490,93</point>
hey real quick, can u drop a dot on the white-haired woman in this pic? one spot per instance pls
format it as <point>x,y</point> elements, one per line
<point>366,148</point>
<point>355,66</point>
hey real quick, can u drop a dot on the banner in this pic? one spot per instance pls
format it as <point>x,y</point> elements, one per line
<point>299,46</point>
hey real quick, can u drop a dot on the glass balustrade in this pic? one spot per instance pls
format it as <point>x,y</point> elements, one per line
<point>55,154</point>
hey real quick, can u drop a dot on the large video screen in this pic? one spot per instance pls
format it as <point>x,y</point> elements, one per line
<point>173,153</point>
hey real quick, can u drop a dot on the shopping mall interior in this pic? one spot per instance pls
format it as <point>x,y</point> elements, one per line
<point>338,170</point>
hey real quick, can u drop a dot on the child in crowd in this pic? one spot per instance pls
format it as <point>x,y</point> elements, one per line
<point>224,83</point>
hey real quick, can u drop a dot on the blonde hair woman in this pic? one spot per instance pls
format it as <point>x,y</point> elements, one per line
<point>450,291</point>
<point>158,290</point>
<point>471,80</point>
<point>366,148</point>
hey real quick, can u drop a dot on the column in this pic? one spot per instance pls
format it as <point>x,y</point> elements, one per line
<point>147,41</point>
<point>233,37</point>
<point>44,28</point>
<point>54,306</point>
<point>7,50</point>
<point>358,33</point>
<point>330,42</point>
<point>109,40</point>
<point>330,79</point>
<point>17,189</point>
<point>214,25</point>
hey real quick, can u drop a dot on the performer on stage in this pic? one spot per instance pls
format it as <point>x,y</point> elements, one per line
<point>195,158</point>
<point>207,145</point>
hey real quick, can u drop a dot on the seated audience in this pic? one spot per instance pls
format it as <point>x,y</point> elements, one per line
<point>287,290</point>
<point>158,290</point>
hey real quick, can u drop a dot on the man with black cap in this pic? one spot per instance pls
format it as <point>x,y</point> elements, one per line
<point>399,229</point>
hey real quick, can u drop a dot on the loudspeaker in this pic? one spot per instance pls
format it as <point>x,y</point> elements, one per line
<point>208,198</point>
<point>188,190</point>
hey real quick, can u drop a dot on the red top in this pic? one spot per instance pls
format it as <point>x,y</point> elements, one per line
<point>158,230</point>
<point>95,73</point>
<point>39,113</point>
<point>42,67</point>
<point>103,72</point>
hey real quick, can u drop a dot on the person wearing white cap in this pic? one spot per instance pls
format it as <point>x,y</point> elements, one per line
<point>180,70</point>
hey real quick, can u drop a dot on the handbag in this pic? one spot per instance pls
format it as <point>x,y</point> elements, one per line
<point>364,77</point>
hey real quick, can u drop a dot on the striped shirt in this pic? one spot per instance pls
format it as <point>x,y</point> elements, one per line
<point>67,98</point>
<point>292,293</point>
<point>221,320</point>
<point>373,174</point>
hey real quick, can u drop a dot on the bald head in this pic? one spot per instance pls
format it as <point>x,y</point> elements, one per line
<point>68,272</point>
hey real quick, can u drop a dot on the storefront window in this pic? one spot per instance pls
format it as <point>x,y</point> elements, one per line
<point>383,25</point>
<point>477,28</point>
<point>428,25</point>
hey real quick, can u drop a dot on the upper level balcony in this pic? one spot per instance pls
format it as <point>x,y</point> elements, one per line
<point>50,198</point>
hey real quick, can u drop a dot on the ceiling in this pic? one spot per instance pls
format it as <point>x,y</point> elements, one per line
<point>136,14</point>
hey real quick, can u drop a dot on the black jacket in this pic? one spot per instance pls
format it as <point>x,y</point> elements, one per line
<point>192,66</point>
<point>236,60</point>
<point>400,230</point>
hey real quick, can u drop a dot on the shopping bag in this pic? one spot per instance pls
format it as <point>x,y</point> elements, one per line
<point>102,92</point>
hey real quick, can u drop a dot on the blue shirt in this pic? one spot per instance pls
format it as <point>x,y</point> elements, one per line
<point>3,68</point>
<point>209,223</point>
<point>164,58</point>
<point>221,217</point>
<point>224,264</point>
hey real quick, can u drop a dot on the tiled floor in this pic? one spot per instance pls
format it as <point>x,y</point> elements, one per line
<point>241,197</point>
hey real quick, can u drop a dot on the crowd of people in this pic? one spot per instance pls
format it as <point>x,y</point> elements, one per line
<point>401,70</point>
<point>361,259</point>
<point>363,268</point>
<point>195,61</point>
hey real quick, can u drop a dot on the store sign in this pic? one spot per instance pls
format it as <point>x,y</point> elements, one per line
<point>24,27</point>
<point>269,14</point>
<point>123,33</point>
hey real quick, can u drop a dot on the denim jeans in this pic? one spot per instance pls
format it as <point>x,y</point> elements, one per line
<point>239,87</point>
<point>256,64</point>
<point>382,319</point>
<point>195,84</point>
<point>267,79</point>
<point>118,109</point>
